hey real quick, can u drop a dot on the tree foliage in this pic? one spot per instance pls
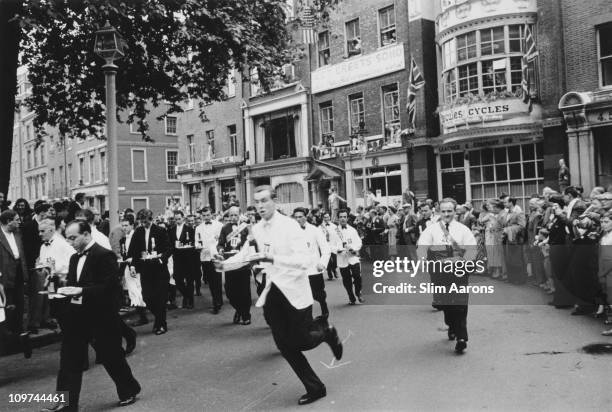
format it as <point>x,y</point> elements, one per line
<point>176,50</point>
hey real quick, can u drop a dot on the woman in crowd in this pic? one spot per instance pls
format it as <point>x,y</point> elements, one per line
<point>493,238</point>
<point>605,264</point>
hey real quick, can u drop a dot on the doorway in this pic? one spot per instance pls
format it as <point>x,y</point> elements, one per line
<point>453,185</point>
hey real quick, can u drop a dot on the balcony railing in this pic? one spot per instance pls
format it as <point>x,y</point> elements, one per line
<point>207,165</point>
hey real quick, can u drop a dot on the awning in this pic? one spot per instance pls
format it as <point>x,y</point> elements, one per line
<point>321,172</point>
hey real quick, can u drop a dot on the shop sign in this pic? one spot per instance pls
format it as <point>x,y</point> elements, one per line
<point>484,143</point>
<point>600,118</point>
<point>386,60</point>
<point>466,115</point>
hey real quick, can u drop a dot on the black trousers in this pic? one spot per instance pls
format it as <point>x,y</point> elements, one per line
<point>184,276</point>
<point>11,328</point>
<point>294,331</point>
<point>79,331</point>
<point>238,290</point>
<point>351,279</point>
<point>455,317</point>
<point>331,266</point>
<point>154,281</point>
<point>215,283</point>
<point>317,285</point>
<point>38,304</point>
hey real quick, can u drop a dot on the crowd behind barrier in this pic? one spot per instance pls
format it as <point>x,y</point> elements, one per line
<point>561,244</point>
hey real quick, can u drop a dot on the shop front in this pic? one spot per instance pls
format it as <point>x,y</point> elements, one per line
<point>588,117</point>
<point>489,167</point>
<point>384,173</point>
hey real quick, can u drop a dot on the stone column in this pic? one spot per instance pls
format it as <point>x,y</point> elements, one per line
<point>305,140</point>
<point>587,171</point>
<point>249,137</point>
<point>574,158</point>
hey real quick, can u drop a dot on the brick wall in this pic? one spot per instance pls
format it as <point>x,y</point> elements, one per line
<point>580,41</point>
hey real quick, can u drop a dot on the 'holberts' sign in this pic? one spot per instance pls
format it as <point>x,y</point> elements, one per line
<point>468,115</point>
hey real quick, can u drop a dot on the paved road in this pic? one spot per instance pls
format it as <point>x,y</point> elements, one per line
<point>396,358</point>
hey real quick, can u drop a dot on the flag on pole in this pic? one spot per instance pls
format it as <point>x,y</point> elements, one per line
<point>308,33</point>
<point>415,82</point>
<point>529,55</point>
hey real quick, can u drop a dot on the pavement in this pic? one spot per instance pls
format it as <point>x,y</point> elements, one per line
<point>396,357</point>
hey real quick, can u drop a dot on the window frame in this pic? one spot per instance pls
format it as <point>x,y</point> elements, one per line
<point>391,28</point>
<point>175,151</point>
<point>350,99</point>
<point>601,59</point>
<point>349,52</point>
<point>166,132</point>
<point>233,138</point>
<point>323,119</point>
<point>191,148</point>
<point>146,172</point>
<point>321,51</point>
<point>139,198</point>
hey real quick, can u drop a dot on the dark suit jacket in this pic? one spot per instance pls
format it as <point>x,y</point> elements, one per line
<point>224,244</point>
<point>138,245</point>
<point>99,280</point>
<point>187,236</point>
<point>31,241</point>
<point>8,264</point>
<point>73,207</point>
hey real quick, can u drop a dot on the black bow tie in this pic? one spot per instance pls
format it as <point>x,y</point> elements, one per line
<point>208,223</point>
<point>83,253</point>
<point>48,243</point>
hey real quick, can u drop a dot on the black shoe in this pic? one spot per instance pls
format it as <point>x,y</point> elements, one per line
<point>236,318</point>
<point>128,401</point>
<point>215,310</point>
<point>130,342</point>
<point>580,311</point>
<point>26,345</point>
<point>460,346</point>
<point>161,330</point>
<point>351,302</point>
<point>451,335</point>
<point>246,321</point>
<point>311,397</point>
<point>360,299</point>
<point>332,339</point>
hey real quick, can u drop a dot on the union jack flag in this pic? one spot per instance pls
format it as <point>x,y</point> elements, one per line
<point>530,54</point>
<point>308,33</point>
<point>415,82</point>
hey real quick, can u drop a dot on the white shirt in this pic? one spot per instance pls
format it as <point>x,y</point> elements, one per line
<point>434,237</point>
<point>10,237</point>
<point>317,248</point>
<point>179,229</point>
<point>349,236</point>
<point>82,259</point>
<point>100,238</point>
<point>147,234</point>
<point>329,230</point>
<point>284,239</point>
<point>207,236</point>
<point>60,251</point>
<point>128,240</point>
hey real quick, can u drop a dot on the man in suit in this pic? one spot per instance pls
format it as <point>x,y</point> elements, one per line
<point>238,281</point>
<point>12,276</point>
<point>207,237</point>
<point>90,312</point>
<point>150,251</point>
<point>182,238</point>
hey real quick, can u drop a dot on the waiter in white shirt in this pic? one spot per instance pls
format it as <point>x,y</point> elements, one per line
<point>449,240</point>
<point>319,252</point>
<point>54,257</point>
<point>287,298</point>
<point>348,258</point>
<point>330,233</point>
<point>206,238</point>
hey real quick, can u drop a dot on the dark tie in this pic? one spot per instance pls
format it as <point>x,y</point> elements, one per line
<point>48,243</point>
<point>208,223</point>
<point>447,227</point>
<point>83,253</point>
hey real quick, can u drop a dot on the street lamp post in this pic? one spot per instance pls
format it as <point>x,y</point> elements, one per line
<point>109,46</point>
